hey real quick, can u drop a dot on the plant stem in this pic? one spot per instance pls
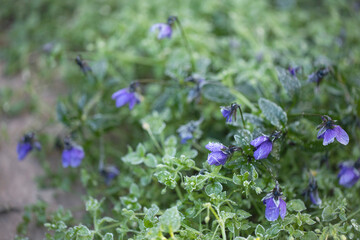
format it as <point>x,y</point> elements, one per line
<point>221,222</point>
<point>186,43</point>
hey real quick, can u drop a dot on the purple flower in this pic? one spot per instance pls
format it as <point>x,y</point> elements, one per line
<point>165,30</point>
<point>195,92</point>
<point>127,95</point>
<point>349,173</point>
<point>72,154</point>
<point>312,191</point>
<point>218,155</point>
<point>318,76</point>
<point>293,71</point>
<point>109,173</point>
<point>229,111</point>
<point>329,131</point>
<point>275,205</point>
<point>26,145</point>
<point>263,147</point>
<point>186,132</point>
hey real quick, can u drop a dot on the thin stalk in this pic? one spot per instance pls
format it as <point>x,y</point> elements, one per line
<point>221,222</point>
<point>186,43</point>
<point>242,117</point>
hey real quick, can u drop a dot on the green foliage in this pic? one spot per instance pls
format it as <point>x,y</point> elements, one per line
<point>166,189</point>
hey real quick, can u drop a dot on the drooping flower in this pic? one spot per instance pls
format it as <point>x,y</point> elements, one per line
<point>27,144</point>
<point>318,76</point>
<point>312,191</point>
<point>263,146</point>
<point>230,111</point>
<point>217,156</point>
<point>127,95</point>
<point>329,131</point>
<point>165,30</point>
<point>293,71</point>
<point>72,155</point>
<point>109,173</point>
<point>219,153</point>
<point>85,68</point>
<point>195,92</point>
<point>349,173</point>
<point>275,205</point>
<point>187,131</point>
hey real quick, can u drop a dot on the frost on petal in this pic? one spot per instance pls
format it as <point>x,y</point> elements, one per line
<point>341,135</point>
<point>329,136</point>
<point>119,93</point>
<point>23,149</point>
<point>217,158</point>
<point>271,211</point>
<point>282,207</point>
<point>214,147</point>
<point>77,155</point>
<point>263,150</point>
<point>259,140</point>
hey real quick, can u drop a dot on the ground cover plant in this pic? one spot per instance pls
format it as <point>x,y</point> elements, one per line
<point>194,120</point>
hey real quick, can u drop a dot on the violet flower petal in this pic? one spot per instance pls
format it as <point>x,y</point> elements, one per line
<point>329,136</point>
<point>282,207</point>
<point>263,150</point>
<point>214,147</point>
<point>23,149</point>
<point>259,140</point>
<point>217,158</point>
<point>271,211</point>
<point>341,135</point>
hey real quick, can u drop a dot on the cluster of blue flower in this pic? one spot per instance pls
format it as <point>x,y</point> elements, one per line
<point>219,153</point>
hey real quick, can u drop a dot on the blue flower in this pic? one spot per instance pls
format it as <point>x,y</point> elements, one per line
<point>275,205</point>
<point>195,92</point>
<point>72,154</point>
<point>187,131</point>
<point>349,173</point>
<point>312,191</point>
<point>263,147</point>
<point>26,145</point>
<point>165,30</point>
<point>329,131</point>
<point>127,95</point>
<point>109,173</point>
<point>318,76</point>
<point>218,155</point>
<point>293,71</point>
<point>229,111</point>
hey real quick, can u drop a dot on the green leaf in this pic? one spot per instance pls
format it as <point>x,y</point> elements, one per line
<point>105,219</point>
<point>289,82</point>
<point>83,233</point>
<point>108,236</point>
<point>150,214</point>
<point>92,204</point>
<point>243,214</point>
<point>170,221</point>
<point>214,188</point>
<point>150,160</point>
<point>273,113</point>
<point>137,157</point>
<point>194,183</point>
<point>328,214</point>
<point>244,138</point>
<point>296,205</point>
<point>167,178</point>
<point>355,225</point>
<point>153,123</point>
<point>260,231</point>
<point>218,93</point>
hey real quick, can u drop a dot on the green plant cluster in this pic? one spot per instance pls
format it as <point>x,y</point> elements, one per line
<point>242,49</point>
